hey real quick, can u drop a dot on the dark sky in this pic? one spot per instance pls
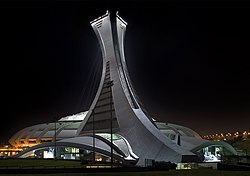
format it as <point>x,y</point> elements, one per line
<point>188,61</point>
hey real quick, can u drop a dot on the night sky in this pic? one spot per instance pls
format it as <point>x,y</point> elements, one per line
<point>188,61</point>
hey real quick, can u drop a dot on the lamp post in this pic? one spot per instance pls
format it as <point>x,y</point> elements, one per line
<point>110,84</point>
<point>93,135</point>
<point>55,142</point>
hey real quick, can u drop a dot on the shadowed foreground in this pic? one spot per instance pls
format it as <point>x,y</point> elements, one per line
<point>67,165</point>
<point>204,172</point>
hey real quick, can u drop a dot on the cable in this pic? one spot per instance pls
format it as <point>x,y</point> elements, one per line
<point>88,85</point>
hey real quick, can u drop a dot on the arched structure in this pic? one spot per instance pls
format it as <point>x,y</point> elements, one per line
<point>117,110</point>
<point>122,151</point>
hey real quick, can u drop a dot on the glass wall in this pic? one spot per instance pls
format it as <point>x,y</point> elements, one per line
<point>213,153</point>
<point>69,153</point>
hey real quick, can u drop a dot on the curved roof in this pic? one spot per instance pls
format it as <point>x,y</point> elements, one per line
<point>76,117</point>
<point>121,148</point>
<point>66,127</point>
<point>66,130</point>
<point>216,143</point>
<point>183,136</point>
<point>189,139</point>
<point>177,129</point>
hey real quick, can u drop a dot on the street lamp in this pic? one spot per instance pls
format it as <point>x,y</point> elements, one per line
<point>55,141</point>
<point>110,84</point>
<point>93,113</point>
<point>55,137</point>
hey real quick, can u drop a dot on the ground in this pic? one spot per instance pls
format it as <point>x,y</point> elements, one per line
<point>155,173</point>
<point>26,163</point>
<point>38,163</point>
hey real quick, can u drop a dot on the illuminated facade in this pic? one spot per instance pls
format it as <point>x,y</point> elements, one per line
<point>65,127</point>
<point>9,151</point>
<point>117,110</point>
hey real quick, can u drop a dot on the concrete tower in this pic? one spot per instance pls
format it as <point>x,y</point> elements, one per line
<point>117,110</point>
<point>116,100</point>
